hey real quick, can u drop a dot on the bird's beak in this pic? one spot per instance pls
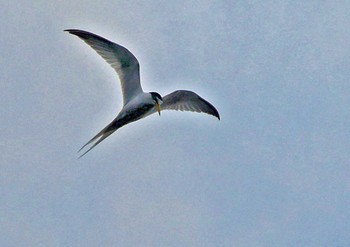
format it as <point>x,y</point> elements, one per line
<point>158,108</point>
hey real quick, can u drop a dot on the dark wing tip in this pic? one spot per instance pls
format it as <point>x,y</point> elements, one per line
<point>211,109</point>
<point>80,33</point>
<point>85,35</point>
<point>72,31</point>
<point>216,114</point>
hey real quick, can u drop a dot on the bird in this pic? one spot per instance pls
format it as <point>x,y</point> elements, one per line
<point>137,104</point>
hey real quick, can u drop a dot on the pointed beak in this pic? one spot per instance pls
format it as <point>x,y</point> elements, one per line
<point>158,108</point>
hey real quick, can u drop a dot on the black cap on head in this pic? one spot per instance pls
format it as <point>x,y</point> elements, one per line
<point>156,96</point>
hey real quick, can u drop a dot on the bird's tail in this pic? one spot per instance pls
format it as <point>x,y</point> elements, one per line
<point>103,134</point>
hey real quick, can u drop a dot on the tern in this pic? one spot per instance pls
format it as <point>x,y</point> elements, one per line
<point>137,104</point>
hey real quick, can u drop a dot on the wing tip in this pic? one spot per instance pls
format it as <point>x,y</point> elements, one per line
<point>212,110</point>
<point>77,32</point>
<point>215,113</point>
<point>71,30</point>
<point>82,34</point>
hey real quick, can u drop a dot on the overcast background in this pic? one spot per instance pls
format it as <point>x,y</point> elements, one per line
<point>273,172</point>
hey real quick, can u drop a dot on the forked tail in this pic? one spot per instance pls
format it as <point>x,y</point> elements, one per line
<point>103,134</point>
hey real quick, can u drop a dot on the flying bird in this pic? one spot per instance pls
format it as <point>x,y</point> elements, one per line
<point>137,104</point>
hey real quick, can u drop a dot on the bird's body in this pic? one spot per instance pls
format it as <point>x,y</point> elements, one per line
<point>138,108</point>
<point>137,104</point>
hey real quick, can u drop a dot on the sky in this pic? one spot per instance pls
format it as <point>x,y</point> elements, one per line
<point>274,171</point>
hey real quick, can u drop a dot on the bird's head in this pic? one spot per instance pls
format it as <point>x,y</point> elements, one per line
<point>158,100</point>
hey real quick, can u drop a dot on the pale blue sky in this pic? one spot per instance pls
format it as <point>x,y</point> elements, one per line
<point>273,172</point>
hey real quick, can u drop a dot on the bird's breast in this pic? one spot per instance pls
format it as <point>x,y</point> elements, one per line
<point>135,114</point>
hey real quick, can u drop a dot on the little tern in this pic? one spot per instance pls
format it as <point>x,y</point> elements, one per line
<point>137,104</point>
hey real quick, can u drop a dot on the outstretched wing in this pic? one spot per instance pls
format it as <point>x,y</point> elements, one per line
<point>184,100</point>
<point>121,60</point>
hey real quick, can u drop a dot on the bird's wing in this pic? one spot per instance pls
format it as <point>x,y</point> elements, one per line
<point>184,100</point>
<point>120,58</point>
